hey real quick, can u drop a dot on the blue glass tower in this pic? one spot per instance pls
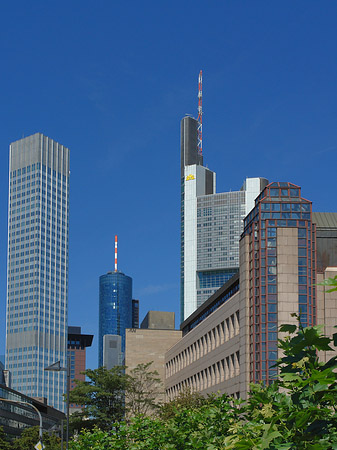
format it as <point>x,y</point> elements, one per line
<point>115,307</point>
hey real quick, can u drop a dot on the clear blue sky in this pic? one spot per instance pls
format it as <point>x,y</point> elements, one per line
<point>111,81</point>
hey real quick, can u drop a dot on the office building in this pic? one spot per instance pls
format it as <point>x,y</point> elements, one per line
<point>211,224</point>
<point>37,266</point>
<point>14,418</point>
<point>150,343</point>
<point>230,341</point>
<point>77,345</point>
<point>115,308</point>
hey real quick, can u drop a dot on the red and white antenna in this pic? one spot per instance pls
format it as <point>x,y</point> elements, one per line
<point>200,113</point>
<point>116,253</point>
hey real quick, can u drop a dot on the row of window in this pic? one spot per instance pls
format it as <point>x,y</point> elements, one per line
<point>223,370</point>
<point>220,334</point>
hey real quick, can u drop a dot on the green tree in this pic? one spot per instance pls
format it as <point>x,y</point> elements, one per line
<point>30,437</point>
<point>4,443</point>
<point>102,397</point>
<point>185,400</point>
<point>330,282</point>
<point>142,390</point>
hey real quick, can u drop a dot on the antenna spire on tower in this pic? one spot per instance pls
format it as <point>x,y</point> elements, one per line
<point>200,113</point>
<point>116,253</point>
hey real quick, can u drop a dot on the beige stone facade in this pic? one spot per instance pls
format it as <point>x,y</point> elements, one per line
<point>207,359</point>
<point>287,277</point>
<point>146,345</point>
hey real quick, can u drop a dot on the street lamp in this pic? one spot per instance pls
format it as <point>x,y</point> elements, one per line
<point>31,405</point>
<point>56,367</point>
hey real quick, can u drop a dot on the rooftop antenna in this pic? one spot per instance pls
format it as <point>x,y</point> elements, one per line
<point>116,253</point>
<point>200,113</point>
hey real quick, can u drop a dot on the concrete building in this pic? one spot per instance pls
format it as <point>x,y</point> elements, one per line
<point>159,320</point>
<point>150,343</point>
<point>112,351</point>
<point>231,340</point>
<point>37,266</point>
<point>211,224</point>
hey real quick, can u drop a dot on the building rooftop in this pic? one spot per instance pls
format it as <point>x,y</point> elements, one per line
<point>325,219</point>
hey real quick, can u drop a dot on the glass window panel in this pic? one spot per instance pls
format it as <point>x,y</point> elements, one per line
<point>302,233</point>
<point>294,192</point>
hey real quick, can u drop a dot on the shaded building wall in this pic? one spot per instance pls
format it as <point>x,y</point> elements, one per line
<point>112,351</point>
<point>327,308</point>
<point>326,240</point>
<point>159,320</point>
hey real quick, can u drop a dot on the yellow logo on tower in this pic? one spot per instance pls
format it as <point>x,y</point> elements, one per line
<point>190,177</point>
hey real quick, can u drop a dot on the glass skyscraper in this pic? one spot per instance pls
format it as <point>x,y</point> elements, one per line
<point>37,266</point>
<point>115,308</point>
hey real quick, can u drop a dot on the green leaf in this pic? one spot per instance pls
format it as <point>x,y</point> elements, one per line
<point>287,328</point>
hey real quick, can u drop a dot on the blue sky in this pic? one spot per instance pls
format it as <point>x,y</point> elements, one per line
<point>111,81</point>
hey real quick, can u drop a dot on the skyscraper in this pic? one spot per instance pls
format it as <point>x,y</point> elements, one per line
<point>115,308</point>
<point>211,224</point>
<point>37,266</point>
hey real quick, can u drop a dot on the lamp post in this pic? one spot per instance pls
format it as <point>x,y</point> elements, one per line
<point>56,367</point>
<point>32,406</point>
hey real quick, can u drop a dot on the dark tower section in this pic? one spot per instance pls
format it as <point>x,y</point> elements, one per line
<point>189,144</point>
<point>135,313</point>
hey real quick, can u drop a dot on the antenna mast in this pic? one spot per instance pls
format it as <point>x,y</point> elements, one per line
<point>200,113</point>
<point>116,253</point>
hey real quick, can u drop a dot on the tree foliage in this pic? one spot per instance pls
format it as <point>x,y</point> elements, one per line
<point>330,282</point>
<point>108,395</point>
<point>4,443</point>
<point>296,412</point>
<point>185,400</point>
<point>142,390</point>
<point>102,397</point>
<point>30,437</point>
